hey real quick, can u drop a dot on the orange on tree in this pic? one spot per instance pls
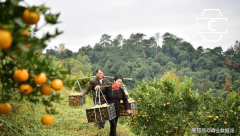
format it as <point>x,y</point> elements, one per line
<point>25,32</point>
<point>57,84</point>
<point>74,77</point>
<point>47,119</point>
<point>25,89</point>
<point>45,90</point>
<point>5,39</point>
<point>40,78</point>
<point>5,108</point>
<point>216,117</point>
<point>21,75</point>
<point>209,117</point>
<point>30,16</point>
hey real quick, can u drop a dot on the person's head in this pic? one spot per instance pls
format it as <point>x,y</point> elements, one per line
<point>99,73</point>
<point>118,80</point>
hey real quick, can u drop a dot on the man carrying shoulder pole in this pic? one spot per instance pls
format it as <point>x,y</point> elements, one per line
<point>99,80</point>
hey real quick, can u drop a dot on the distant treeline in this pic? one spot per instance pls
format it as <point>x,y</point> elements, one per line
<point>143,59</point>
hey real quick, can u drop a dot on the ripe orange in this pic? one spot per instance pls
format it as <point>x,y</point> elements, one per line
<point>30,16</point>
<point>45,90</point>
<point>25,32</point>
<point>216,117</point>
<point>74,77</point>
<point>175,127</point>
<point>5,108</point>
<point>40,79</point>
<point>5,39</point>
<point>225,122</point>
<point>25,89</point>
<point>21,75</point>
<point>57,84</point>
<point>47,119</point>
<point>209,117</point>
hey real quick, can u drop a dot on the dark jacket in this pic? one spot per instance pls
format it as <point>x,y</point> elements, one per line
<point>93,83</point>
<point>114,96</point>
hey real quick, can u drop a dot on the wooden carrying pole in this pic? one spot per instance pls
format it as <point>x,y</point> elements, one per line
<point>106,77</point>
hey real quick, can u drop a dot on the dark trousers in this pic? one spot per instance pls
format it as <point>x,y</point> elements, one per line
<point>113,126</point>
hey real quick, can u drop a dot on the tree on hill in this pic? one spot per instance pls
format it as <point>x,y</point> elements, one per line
<point>105,40</point>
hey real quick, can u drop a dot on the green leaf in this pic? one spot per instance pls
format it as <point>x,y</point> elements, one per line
<point>43,9</point>
<point>52,18</point>
<point>47,103</point>
<point>15,2</point>
<point>35,101</point>
<point>9,27</point>
<point>23,47</point>
<point>19,22</point>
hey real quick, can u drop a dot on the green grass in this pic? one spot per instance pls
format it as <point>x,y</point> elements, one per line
<point>25,117</point>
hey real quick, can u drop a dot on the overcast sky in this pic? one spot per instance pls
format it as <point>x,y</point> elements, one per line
<point>85,21</point>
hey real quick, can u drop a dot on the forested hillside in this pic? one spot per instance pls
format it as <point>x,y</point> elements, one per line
<point>143,59</point>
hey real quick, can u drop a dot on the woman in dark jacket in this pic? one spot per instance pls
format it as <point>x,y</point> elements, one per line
<point>114,94</point>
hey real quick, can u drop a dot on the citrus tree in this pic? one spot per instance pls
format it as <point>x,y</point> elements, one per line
<point>167,107</point>
<point>24,74</point>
